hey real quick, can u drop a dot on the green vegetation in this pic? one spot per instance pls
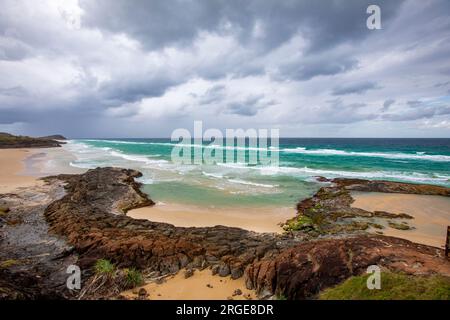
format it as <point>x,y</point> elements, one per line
<point>358,225</point>
<point>126,278</point>
<point>318,219</point>
<point>376,225</point>
<point>133,277</point>
<point>399,226</point>
<point>10,141</point>
<point>280,297</point>
<point>3,210</point>
<point>302,222</point>
<point>103,266</point>
<point>394,286</point>
<point>8,263</point>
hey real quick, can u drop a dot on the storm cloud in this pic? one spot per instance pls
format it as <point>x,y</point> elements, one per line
<point>98,68</point>
<point>355,88</point>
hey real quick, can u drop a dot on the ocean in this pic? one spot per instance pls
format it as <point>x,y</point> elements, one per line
<point>300,161</point>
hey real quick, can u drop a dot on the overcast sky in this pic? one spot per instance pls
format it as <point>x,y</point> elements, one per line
<point>122,68</point>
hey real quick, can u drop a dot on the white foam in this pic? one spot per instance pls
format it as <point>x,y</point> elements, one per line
<point>239,181</point>
<point>82,165</point>
<point>300,150</point>
<point>145,180</point>
<point>115,141</point>
<point>213,175</point>
<point>91,157</point>
<point>416,156</point>
<point>305,171</point>
<point>137,158</point>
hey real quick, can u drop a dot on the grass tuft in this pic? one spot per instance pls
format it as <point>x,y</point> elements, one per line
<point>133,277</point>
<point>8,263</point>
<point>394,286</point>
<point>103,266</point>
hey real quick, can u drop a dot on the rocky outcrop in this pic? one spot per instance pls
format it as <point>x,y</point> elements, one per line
<point>91,218</point>
<point>390,187</point>
<point>78,219</point>
<point>9,141</point>
<point>33,262</point>
<point>273,263</point>
<point>329,211</point>
<point>304,270</point>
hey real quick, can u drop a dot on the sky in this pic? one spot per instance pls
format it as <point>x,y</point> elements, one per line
<point>135,68</point>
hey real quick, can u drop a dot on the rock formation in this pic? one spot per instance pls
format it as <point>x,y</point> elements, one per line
<point>306,269</point>
<point>78,219</point>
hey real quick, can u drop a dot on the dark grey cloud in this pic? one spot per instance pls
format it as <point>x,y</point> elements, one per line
<point>442,84</point>
<point>387,104</point>
<point>416,110</point>
<point>132,90</point>
<point>214,94</point>
<point>306,69</point>
<point>415,103</point>
<point>17,91</point>
<point>355,88</point>
<point>249,106</point>
<point>13,50</point>
<point>160,23</point>
<point>52,116</point>
<point>338,112</point>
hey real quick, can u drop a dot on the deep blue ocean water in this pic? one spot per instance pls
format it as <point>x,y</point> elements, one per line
<point>300,161</point>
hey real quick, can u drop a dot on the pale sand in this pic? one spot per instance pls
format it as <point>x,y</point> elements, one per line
<point>431,215</point>
<point>12,168</point>
<point>21,168</point>
<point>194,288</point>
<point>253,219</point>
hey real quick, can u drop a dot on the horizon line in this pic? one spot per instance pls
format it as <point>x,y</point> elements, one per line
<point>110,138</point>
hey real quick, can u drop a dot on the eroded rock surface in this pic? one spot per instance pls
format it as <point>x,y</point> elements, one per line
<point>306,269</point>
<point>391,187</point>
<point>33,262</point>
<point>90,216</point>
<point>329,212</point>
<point>78,219</point>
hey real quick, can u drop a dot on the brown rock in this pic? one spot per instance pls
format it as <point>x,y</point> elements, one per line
<point>302,271</point>
<point>142,295</point>
<point>237,292</point>
<point>188,273</point>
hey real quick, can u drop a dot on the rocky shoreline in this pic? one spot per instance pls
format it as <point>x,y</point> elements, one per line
<point>329,211</point>
<point>82,218</point>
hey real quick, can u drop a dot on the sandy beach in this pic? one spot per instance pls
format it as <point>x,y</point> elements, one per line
<point>201,286</point>
<point>431,215</point>
<point>22,167</point>
<point>13,167</point>
<point>253,219</point>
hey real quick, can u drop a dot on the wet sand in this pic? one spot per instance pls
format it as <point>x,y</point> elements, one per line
<point>12,169</point>
<point>194,288</point>
<point>253,219</point>
<point>22,167</point>
<point>431,215</point>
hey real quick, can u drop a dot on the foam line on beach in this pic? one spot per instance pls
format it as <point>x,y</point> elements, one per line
<point>334,152</point>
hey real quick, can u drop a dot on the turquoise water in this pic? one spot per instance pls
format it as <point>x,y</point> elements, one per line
<point>300,161</point>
